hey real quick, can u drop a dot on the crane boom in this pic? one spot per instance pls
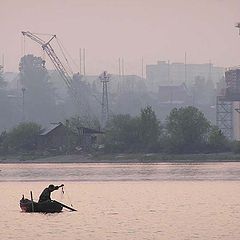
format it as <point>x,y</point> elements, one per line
<point>46,46</point>
<point>33,37</point>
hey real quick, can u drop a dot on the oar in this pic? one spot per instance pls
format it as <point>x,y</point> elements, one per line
<point>72,209</point>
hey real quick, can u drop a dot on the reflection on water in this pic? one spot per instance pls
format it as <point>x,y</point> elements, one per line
<point>119,172</point>
<point>117,210</point>
<point>131,202</point>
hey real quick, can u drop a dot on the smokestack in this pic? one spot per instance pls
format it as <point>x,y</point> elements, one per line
<point>185,68</point>
<point>119,66</point>
<point>210,71</point>
<point>80,61</point>
<point>122,67</point>
<point>84,62</point>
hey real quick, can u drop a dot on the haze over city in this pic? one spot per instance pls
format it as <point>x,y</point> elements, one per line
<point>124,115</point>
<point>154,30</point>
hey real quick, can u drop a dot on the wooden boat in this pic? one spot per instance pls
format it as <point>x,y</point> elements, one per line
<point>45,207</point>
<point>51,206</point>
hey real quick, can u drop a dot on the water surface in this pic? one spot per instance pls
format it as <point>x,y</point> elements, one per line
<point>120,172</point>
<point>122,201</point>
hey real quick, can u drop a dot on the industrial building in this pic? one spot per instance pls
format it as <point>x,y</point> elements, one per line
<point>228,105</point>
<point>165,73</point>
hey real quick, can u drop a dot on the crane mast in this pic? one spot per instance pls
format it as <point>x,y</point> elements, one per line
<point>46,46</point>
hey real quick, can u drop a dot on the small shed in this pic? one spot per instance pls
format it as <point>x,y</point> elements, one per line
<point>57,137</point>
<point>54,137</point>
<point>90,137</point>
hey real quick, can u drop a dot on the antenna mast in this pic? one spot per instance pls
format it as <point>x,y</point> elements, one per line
<point>104,77</point>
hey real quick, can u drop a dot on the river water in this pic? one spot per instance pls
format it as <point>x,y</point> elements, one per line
<point>124,201</point>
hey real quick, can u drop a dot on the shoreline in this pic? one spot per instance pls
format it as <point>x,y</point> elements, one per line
<point>123,158</point>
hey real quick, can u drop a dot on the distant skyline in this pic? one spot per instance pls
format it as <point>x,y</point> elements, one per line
<point>129,29</point>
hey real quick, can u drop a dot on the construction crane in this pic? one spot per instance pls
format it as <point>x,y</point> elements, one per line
<point>69,81</point>
<point>46,46</point>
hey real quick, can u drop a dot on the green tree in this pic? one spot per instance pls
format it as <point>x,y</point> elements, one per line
<point>141,133</point>
<point>3,141</point>
<point>23,137</point>
<point>9,109</point>
<point>149,129</point>
<point>217,142</point>
<point>187,128</point>
<point>40,103</point>
<point>74,125</point>
<point>235,147</point>
<point>3,83</point>
<point>122,133</point>
<point>84,121</point>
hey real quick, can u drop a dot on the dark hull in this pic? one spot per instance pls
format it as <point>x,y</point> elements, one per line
<point>44,207</point>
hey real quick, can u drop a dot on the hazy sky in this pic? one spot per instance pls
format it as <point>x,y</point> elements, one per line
<point>109,29</point>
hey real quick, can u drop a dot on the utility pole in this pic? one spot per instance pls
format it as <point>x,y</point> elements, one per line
<point>84,62</point>
<point>104,77</point>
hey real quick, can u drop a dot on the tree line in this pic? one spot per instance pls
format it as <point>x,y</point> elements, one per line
<point>185,130</point>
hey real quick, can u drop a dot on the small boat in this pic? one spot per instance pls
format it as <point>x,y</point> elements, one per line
<point>44,207</point>
<point>51,206</point>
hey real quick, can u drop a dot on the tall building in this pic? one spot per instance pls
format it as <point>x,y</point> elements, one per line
<point>165,73</point>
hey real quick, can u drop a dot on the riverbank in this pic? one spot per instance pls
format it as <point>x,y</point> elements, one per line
<point>122,158</point>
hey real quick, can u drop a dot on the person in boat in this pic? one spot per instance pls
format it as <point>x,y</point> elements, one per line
<point>46,193</point>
